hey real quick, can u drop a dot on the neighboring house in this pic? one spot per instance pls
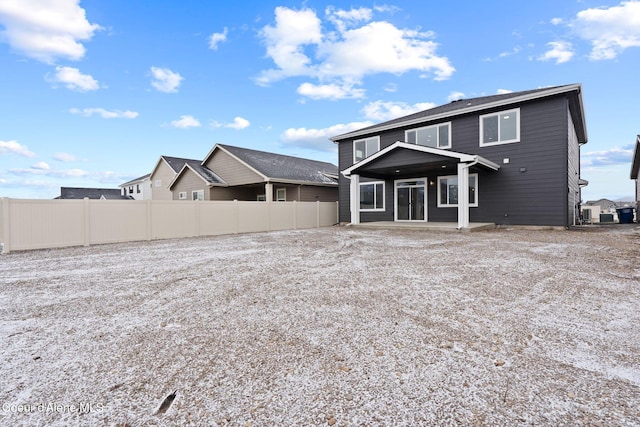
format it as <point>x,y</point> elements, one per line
<point>605,205</point>
<point>163,173</point>
<point>506,159</point>
<point>229,173</point>
<point>91,193</point>
<point>139,188</point>
<point>635,173</point>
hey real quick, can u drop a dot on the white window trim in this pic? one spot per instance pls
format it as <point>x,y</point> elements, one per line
<point>384,206</point>
<point>198,193</point>
<point>448,124</point>
<point>158,182</point>
<point>182,195</point>
<point>281,198</point>
<point>498,113</point>
<point>365,145</point>
<point>471,205</point>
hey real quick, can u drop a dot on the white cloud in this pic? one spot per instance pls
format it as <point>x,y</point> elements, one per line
<point>57,173</point>
<point>238,124</point>
<point>503,91</point>
<point>165,80</point>
<point>318,139</point>
<point>105,114</point>
<point>13,147</point>
<point>216,38</point>
<point>560,52</point>
<point>610,30</point>
<point>73,79</point>
<point>382,111</point>
<point>556,21</point>
<point>46,29</point>
<point>342,58</point>
<point>605,158</point>
<point>454,96</point>
<point>65,157</point>
<point>186,122</point>
<point>42,166</point>
<point>330,91</point>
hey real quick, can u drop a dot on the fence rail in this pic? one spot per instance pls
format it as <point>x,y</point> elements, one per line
<point>37,224</point>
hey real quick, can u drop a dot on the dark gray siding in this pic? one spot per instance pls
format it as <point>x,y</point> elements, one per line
<point>573,172</point>
<point>531,189</point>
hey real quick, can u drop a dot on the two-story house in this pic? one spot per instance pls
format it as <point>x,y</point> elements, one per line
<point>505,159</point>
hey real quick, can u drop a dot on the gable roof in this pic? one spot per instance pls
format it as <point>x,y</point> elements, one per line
<point>207,175</point>
<point>281,168</point>
<point>465,106</point>
<point>137,180</point>
<point>91,193</point>
<point>635,163</point>
<point>436,152</point>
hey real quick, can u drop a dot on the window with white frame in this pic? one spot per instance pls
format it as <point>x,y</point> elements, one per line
<point>500,128</point>
<point>182,195</point>
<point>448,191</point>
<point>363,148</point>
<point>436,136</point>
<point>197,195</point>
<point>372,196</point>
<point>281,195</point>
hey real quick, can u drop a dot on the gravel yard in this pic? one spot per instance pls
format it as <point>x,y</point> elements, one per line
<point>333,326</point>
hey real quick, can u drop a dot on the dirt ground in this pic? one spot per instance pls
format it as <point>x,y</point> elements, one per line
<point>333,326</point>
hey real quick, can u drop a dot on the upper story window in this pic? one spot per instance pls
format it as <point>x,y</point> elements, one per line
<point>500,128</point>
<point>437,136</point>
<point>365,147</point>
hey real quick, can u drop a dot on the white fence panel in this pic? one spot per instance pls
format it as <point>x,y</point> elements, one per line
<point>113,221</point>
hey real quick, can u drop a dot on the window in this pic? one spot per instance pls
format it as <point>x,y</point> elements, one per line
<point>138,188</point>
<point>372,196</point>
<point>262,197</point>
<point>500,128</point>
<point>197,195</point>
<point>448,191</point>
<point>131,189</point>
<point>158,182</point>
<point>182,195</point>
<point>363,148</point>
<point>281,194</point>
<point>437,136</point>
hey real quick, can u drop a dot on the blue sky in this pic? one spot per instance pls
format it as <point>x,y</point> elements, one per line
<point>95,91</point>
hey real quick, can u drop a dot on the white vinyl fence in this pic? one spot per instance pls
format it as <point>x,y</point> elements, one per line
<point>38,224</point>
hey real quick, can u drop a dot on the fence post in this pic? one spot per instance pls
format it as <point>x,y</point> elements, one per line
<point>6,226</point>
<point>295,215</point>
<point>236,215</point>
<point>149,219</point>
<point>87,221</point>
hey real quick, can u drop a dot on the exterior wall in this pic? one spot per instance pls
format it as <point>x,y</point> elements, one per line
<point>231,170</point>
<point>246,192</point>
<point>141,190</point>
<point>39,224</point>
<point>573,173</point>
<point>313,193</point>
<point>531,189</point>
<point>189,181</point>
<point>165,175</point>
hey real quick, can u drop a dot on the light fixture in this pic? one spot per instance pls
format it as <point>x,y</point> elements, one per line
<point>432,183</point>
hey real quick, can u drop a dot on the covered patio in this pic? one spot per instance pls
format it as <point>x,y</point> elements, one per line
<point>407,166</point>
<point>425,226</point>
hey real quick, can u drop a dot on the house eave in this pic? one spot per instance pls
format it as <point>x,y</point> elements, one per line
<point>470,109</point>
<point>635,162</point>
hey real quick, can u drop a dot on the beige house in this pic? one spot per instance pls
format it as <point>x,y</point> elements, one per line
<point>163,173</point>
<point>229,173</point>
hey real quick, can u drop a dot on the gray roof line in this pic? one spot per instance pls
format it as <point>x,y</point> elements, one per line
<point>460,107</point>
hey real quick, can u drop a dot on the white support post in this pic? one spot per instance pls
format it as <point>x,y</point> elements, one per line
<point>463,196</point>
<point>268,192</point>
<point>355,199</point>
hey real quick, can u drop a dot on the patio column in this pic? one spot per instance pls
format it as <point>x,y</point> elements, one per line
<point>355,199</point>
<point>463,195</point>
